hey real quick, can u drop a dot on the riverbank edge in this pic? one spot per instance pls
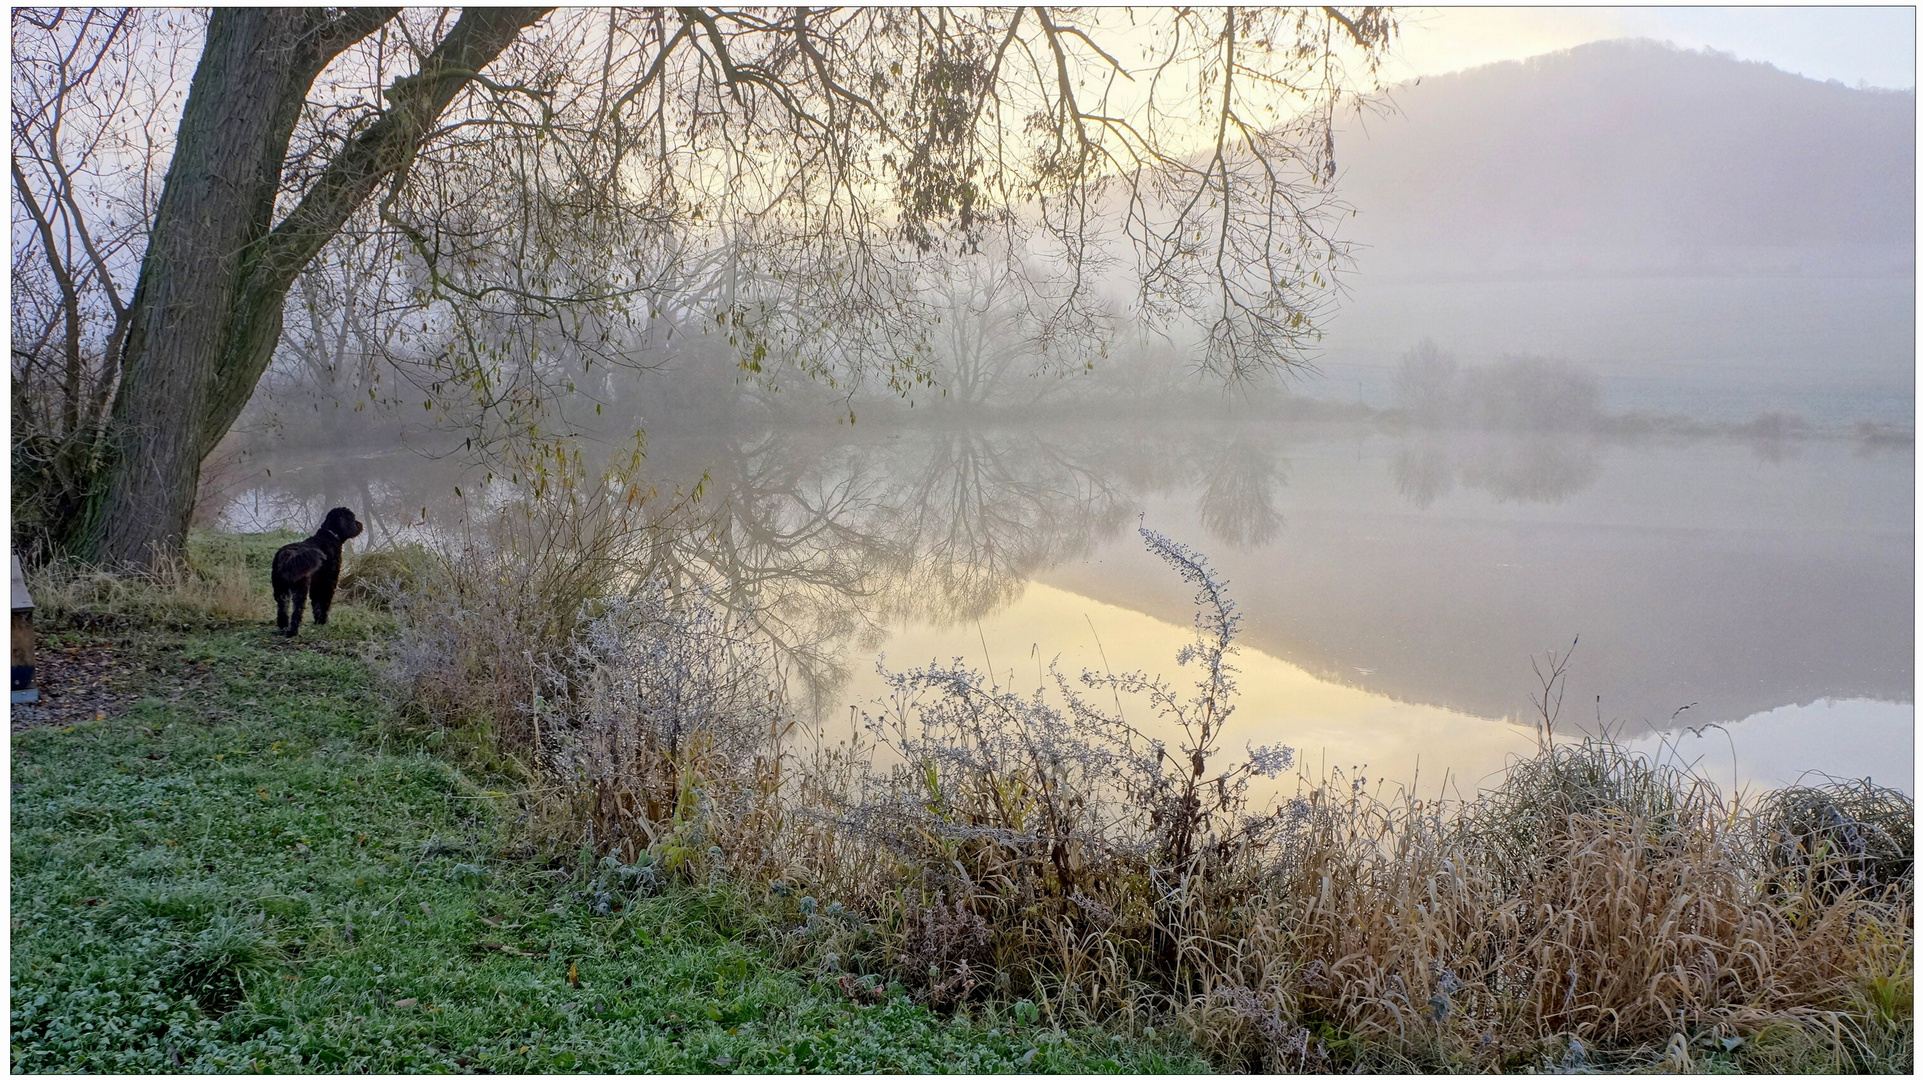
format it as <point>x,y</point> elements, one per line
<point>252,869</point>
<point>174,953</point>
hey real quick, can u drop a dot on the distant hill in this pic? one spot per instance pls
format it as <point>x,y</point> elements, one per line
<point>1627,144</point>
<point>1646,210</point>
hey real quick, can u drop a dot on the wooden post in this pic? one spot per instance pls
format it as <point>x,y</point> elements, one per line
<point>23,688</point>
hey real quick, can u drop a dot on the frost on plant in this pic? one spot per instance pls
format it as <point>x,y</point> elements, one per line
<point>660,698</point>
<point>1048,792</point>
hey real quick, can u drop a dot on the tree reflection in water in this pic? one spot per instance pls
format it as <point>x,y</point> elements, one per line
<point>1240,482</point>
<point>974,513</point>
<point>1423,469</point>
<point>1534,467</point>
<point>831,535</point>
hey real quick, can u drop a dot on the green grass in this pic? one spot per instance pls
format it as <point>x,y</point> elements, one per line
<point>244,873</point>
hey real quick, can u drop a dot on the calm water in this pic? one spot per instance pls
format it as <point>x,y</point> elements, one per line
<point>1747,606</point>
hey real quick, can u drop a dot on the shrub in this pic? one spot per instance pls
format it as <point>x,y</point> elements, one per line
<point>479,619</point>
<point>664,706</point>
<point>1064,824</point>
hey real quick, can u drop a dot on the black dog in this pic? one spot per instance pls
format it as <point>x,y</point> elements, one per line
<point>312,566</point>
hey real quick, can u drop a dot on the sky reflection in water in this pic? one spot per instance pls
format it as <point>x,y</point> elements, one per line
<point>1394,584</point>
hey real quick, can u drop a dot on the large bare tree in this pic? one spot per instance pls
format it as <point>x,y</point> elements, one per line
<point>531,194</point>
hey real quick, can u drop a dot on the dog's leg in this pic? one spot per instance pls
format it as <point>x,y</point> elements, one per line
<point>323,593</point>
<point>280,610</point>
<point>300,601</point>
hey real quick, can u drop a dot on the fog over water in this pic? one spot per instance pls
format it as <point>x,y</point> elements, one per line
<point>1611,369</point>
<point>1399,580</point>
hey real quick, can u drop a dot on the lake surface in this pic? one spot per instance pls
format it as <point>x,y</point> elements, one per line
<point>1746,605</point>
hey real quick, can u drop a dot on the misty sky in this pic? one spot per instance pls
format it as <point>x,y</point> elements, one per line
<point>1876,45</point>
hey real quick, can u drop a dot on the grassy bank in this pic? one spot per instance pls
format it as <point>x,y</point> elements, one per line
<point>245,872</point>
<point>548,830</point>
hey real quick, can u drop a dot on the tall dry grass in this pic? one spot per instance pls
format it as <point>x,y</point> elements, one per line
<point>979,846</point>
<point>1403,927</point>
<point>220,580</point>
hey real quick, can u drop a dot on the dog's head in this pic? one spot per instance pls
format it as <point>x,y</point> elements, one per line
<point>341,522</point>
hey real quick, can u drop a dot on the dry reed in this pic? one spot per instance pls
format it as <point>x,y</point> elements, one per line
<point>1594,909</point>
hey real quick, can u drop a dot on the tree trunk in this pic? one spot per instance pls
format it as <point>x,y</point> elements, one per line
<point>206,312</point>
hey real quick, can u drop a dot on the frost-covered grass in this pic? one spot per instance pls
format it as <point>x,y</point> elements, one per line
<point>246,873</point>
